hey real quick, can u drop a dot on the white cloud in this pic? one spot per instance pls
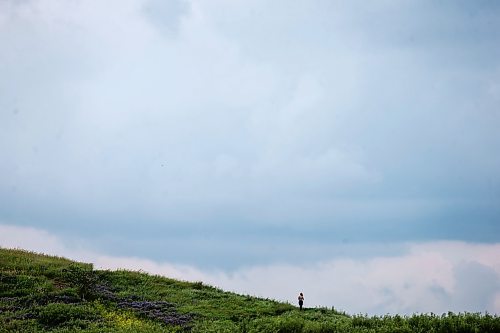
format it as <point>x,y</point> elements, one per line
<point>428,277</point>
<point>31,239</point>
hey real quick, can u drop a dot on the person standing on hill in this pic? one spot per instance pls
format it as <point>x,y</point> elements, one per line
<point>301,300</point>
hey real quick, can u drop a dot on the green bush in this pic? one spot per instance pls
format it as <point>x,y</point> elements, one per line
<point>82,278</point>
<point>218,326</point>
<point>22,285</point>
<point>281,308</point>
<point>290,325</point>
<point>60,314</point>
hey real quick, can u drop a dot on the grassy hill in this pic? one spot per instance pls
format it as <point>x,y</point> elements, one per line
<point>40,293</point>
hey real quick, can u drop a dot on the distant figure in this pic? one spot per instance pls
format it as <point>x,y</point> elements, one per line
<point>301,300</point>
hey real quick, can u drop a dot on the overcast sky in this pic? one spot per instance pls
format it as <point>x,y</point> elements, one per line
<point>234,135</point>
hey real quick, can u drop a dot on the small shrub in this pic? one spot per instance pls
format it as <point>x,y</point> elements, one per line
<point>198,285</point>
<point>57,314</point>
<point>290,325</point>
<point>215,326</point>
<point>281,308</point>
<point>84,280</point>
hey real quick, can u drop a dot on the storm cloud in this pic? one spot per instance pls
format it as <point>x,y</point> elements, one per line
<point>228,134</point>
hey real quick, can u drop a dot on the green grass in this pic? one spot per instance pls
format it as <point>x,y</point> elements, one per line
<point>40,293</point>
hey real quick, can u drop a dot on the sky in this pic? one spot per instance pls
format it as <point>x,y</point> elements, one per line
<point>346,149</point>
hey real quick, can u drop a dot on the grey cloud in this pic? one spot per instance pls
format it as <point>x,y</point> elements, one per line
<point>406,278</point>
<point>166,15</point>
<point>476,288</point>
<point>316,121</point>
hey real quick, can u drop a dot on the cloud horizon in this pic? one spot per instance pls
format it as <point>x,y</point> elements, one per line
<point>426,277</point>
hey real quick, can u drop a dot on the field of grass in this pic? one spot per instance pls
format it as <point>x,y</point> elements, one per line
<point>40,293</point>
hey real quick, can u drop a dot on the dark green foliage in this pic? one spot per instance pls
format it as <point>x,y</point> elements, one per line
<point>82,278</point>
<point>58,314</point>
<point>16,285</point>
<point>39,293</point>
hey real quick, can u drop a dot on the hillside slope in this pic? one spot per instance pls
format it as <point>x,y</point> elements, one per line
<point>40,293</point>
